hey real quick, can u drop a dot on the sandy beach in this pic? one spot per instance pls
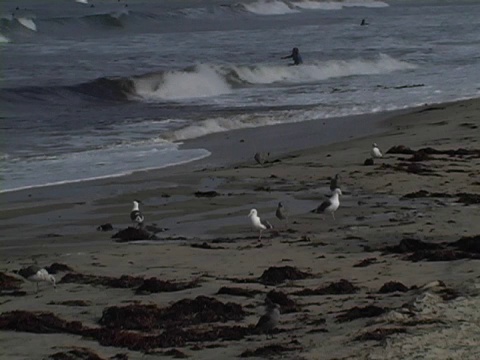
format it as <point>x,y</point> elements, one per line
<point>394,276</point>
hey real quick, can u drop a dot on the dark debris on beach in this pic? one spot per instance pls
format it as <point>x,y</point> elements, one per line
<point>154,285</point>
<point>182,313</point>
<point>361,312</point>
<point>81,353</point>
<point>234,291</point>
<point>133,234</point>
<point>123,282</point>
<point>417,250</point>
<point>340,287</point>
<point>379,334</point>
<point>392,286</point>
<point>8,282</point>
<point>277,275</point>
<point>174,336</point>
<point>268,351</point>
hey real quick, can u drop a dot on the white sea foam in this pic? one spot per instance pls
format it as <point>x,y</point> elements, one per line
<point>4,39</point>
<point>318,5</point>
<point>211,80</point>
<point>113,161</point>
<point>82,1</point>
<point>244,121</point>
<point>203,81</point>
<point>365,3</point>
<point>28,23</point>
<point>266,7</point>
<point>267,74</point>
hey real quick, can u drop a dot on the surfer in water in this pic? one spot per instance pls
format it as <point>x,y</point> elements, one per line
<point>295,55</point>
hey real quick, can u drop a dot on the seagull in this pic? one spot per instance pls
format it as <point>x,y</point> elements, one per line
<point>269,320</point>
<point>258,224</point>
<point>261,158</point>
<point>136,216</point>
<point>375,152</point>
<point>37,274</point>
<point>334,182</point>
<point>330,205</point>
<point>281,213</point>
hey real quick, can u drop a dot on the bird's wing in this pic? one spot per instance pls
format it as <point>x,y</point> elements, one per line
<point>321,208</point>
<point>137,216</point>
<point>266,224</point>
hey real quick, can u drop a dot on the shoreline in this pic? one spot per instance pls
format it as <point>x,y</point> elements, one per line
<point>214,143</point>
<point>356,265</point>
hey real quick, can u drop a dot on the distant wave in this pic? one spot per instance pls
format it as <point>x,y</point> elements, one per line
<point>28,23</point>
<point>337,5</point>
<point>208,80</point>
<point>115,18</point>
<point>4,39</point>
<point>278,7</point>
<point>120,17</point>
<point>269,7</point>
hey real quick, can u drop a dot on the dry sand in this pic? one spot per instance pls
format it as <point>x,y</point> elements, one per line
<point>351,319</point>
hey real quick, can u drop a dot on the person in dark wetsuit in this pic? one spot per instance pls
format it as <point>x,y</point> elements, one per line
<point>295,55</point>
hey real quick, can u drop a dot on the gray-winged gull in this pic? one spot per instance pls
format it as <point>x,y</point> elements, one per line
<point>136,215</point>
<point>269,321</point>
<point>37,275</point>
<point>258,224</point>
<point>330,205</point>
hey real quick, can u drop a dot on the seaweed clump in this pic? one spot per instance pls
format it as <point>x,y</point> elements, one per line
<point>277,275</point>
<point>182,313</point>
<point>340,287</point>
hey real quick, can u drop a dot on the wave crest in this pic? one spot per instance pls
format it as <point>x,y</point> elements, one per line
<point>206,80</point>
<point>269,7</point>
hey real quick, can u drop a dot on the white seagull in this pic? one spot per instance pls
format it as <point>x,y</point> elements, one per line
<point>269,320</point>
<point>135,215</point>
<point>330,205</point>
<point>258,224</point>
<point>37,275</point>
<point>375,152</point>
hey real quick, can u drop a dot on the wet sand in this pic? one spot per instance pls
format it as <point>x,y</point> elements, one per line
<point>339,310</point>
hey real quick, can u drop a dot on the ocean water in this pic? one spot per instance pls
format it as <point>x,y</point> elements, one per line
<point>102,88</point>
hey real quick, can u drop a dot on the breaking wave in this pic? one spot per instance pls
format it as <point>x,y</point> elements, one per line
<point>4,39</point>
<point>337,5</point>
<point>28,23</point>
<point>206,80</point>
<point>278,7</point>
<point>266,7</point>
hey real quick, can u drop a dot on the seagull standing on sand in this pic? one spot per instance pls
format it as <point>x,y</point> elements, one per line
<point>281,213</point>
<point>330,205</point>
<point>334,183</point>
<point>37,275</point>
<point>269,320</point>
<point>375,152</point>
<point>135,215</point>
<point>258,224</point>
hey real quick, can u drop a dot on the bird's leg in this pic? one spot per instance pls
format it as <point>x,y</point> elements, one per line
<point>260,235</point>
<point>37,287</point>
<point>333,215</point>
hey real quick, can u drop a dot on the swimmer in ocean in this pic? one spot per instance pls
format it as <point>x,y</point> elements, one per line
<point>295,55</point>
